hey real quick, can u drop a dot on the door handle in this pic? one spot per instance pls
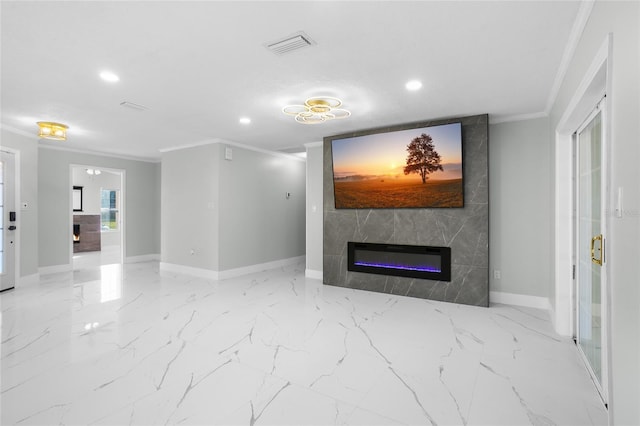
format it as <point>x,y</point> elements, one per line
<point>12,228</point>
<point>599,248</point>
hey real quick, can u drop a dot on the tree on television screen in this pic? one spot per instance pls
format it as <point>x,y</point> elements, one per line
<point>423,157</point>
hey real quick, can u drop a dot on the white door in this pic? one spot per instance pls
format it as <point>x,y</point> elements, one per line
<point>591,336</point>
<point>8,222</point>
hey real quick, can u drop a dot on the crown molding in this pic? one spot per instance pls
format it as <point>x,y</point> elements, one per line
<point>264,151</point>
<point>31,136</point>
<point>582,17</point>
<point>190,145</point>
<point>11,129</point>
<point>517,117</point>
<point>232,143</point>
<point>100,154</point>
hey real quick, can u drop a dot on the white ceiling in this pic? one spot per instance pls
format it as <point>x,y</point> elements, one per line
<point>200,66</point>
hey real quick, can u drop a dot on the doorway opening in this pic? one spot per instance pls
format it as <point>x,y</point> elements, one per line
<point>97,236</point>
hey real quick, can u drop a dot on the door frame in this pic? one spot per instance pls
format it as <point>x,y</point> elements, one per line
<point>595,84</point>
<point>600,108</point>
<point>122,209</point>
<point>18,200</point>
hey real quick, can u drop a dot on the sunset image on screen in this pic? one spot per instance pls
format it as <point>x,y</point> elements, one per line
<point>408,168</point>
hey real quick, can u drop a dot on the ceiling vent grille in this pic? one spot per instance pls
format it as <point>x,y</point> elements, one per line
<point>290,43</point>
<point>131,105</point>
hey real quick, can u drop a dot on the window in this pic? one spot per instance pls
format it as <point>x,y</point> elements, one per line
<point>109,209</point>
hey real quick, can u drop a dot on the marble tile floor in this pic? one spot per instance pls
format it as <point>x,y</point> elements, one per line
<point>130,345</point>
<point>106,256</point>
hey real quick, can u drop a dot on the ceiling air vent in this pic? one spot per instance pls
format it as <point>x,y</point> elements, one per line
<point>131,105</point>
<point>290,43</point>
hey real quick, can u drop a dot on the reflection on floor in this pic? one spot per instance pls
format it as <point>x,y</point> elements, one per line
<point>107,256</point>
<point>130,345</point>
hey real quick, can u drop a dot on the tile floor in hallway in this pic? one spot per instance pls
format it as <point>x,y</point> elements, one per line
<point>134,346</point>
<point>106,256</point>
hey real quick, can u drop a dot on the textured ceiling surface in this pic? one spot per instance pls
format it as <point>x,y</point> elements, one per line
<point>200,66</point>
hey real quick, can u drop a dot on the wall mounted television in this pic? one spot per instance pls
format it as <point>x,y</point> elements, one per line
<point>417,167</point>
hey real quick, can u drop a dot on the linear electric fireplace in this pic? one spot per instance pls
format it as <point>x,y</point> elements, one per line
<point>432,263</point>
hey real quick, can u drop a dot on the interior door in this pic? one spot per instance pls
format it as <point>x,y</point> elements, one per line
<point>591,249</point>
<point>8,222</point>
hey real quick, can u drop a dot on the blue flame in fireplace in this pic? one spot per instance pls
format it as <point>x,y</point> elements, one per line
<point>402,267</point>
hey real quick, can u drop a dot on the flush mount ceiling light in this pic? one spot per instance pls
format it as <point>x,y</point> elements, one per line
<point>317,110</point>
<point>54,131</point>
<point>93,172</point>
<point>244,120</point>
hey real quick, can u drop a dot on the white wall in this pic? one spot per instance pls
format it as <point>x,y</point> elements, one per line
<point>232,213</point>
<point>258,224</point>
<point>27,218</point>
<point>314,208</point>
<point>190,204</point>
<point>520,171</point>
<point>142,206</point>
<point>622,21</point>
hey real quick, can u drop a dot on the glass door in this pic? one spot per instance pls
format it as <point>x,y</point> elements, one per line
<point>590,297</point>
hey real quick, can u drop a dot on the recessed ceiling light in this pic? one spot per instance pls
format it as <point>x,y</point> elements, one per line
<point>109,76</point>
<point>413,85</point>
<point>244,120</point>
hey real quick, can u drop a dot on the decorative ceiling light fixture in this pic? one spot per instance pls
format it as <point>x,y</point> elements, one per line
<point>317,110</point>
<point>93,172</point>
<point>50,130</point>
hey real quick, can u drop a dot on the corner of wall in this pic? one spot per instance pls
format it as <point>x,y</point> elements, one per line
<point>316,275</point>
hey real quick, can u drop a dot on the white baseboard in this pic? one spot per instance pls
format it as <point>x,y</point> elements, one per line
<point>229,273</point>
<point>44,270</point>
<point>520,300</point>
<point>245,270</point>
<point>29,279</point>
<point>316,275</point>
<point>142,258</point>
<point>189,270</point>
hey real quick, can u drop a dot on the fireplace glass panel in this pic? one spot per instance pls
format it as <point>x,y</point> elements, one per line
<point>406,261</point>
<point>427,262</point>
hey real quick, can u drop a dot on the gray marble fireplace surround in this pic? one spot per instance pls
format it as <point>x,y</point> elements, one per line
<point>465,230</point>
